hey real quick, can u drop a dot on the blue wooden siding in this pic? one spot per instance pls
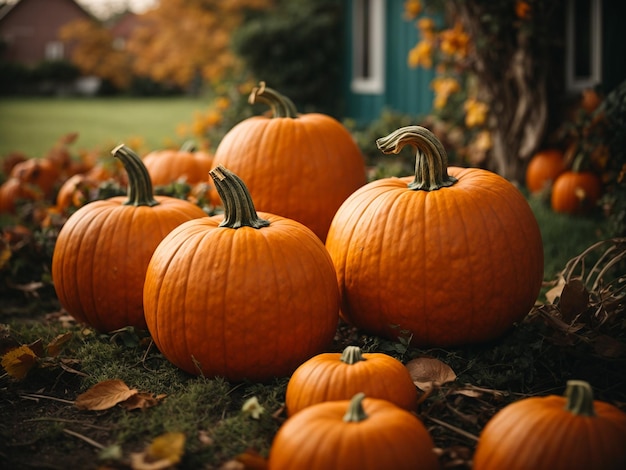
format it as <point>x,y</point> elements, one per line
<point>406,90</point>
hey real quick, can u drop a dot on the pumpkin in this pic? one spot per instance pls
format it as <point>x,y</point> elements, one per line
<point>359,433</point>
<point>186,163</point>
<point>299,166</point>
<point>75,192</point>
<point>544,167</point>
<point>103,249</point>
<point>576,192</point>
<point>338,376</point>
<point>13,191</point>
<point>555,433</point>
<point>39,172</point>
<point>241,295</point>
<point>447,257</point>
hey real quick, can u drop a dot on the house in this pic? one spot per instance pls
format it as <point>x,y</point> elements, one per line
<point>29,30</point>
<point>378,40</point>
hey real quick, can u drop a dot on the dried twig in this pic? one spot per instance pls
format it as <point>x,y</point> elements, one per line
<point>84,438</point>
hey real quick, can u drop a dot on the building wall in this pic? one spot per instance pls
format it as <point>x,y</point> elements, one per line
<point>30,26</point>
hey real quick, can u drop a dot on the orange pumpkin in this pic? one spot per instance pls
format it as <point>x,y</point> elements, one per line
<point>576,192</point>
<point>13,191</point>
<point>544,167</point>
<point>353,434</point>
<point>102,251</point>
<point>187,163</point>
<point>450,256</point>
<point>555,433</point>
<point>38,172</point>
<point>75,192</point>
<point>241,295</point>
<point>299,166</point>
<point>339,376</point>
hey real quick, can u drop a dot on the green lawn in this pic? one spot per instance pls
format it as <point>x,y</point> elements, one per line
<point>33,125</point>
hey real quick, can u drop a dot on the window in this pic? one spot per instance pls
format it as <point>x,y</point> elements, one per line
<point>368,42</point>
<point>583,59</point>
<point>54,50</point>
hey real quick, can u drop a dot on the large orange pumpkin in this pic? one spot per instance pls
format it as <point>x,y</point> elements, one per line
<point>544,167</point>
<point>299,166</point>
<point>241,295</point>
<point>187,163</point>
<point>102,251</point>
<point>339,376</point>
<point>450,256</point>
<point>361,433</point>
<point>555,433</point>
<point>576,192</point>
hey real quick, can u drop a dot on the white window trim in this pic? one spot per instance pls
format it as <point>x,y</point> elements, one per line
<point>375,84</point>
<point>577,84</point>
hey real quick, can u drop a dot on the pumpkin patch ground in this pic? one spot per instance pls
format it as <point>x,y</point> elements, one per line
<point>72,396</point>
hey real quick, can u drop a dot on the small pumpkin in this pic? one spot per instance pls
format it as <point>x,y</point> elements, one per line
<point>352,434</point>
<point>544,167</point>
<point>75,192</point>
<point>576,192</point>
<point>447,257</point>
<point>339,376</point>
<point>299,166</point>
<point>13,192</point>
<point>241,295</point>
<point>555,433</point>
<point>103,249</point>
<point>39,172</point>
<point>186,163</point>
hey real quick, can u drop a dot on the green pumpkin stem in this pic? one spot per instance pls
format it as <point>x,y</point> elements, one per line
<point>281,105</point>
<point>239,209</point>
<point>579,396</point>
<point>351,355</point>
<point>431,159</point>
<point>188,146</point>
<point>356,413</point>
<point>140,191</point>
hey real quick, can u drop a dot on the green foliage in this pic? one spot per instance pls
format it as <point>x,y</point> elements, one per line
<point>294,49</point>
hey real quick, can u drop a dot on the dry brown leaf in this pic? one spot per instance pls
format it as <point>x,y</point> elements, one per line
<point>142,400</point>
<point>164,452</point>
<point>574,300</point>
<point>57,344</point>
<point>248,460</point>
<point>19,361</point>
<point>428,372</point>
<point>553,294</point>
<point>104,395</point>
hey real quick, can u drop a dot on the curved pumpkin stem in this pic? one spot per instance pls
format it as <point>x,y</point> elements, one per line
<point>356,413</point>
<point>239,209</point>
<point>431,159</point>
<point>280,104</point>
<point>140,191</point>
<point>579,396</point>
<point>351,355</point>
<point>188,146</point>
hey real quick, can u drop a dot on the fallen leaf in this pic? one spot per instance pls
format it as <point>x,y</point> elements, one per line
<point>428,372</point>
<point>553,294</point>
<point>19,361</point>
<point>142,400</point>
<point>574,300</point>
<point>253,408</point>
<point>164,452</point>
<point>58,343</point>
<point>104,395</point>
<point>248,460</point>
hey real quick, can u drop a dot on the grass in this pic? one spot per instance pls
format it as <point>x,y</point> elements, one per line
<point>33,125</point>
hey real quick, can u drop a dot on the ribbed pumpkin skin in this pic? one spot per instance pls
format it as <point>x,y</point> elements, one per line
<point>326,378</point>
<point>543,169</point>
<point>167,166</point>
<point>453,266</point>
<point>102,253</point>
<point>317,438</point>
<point>301,168</point>
<point>576,192</point>
<point>538,433</point>
<point>241,303</point>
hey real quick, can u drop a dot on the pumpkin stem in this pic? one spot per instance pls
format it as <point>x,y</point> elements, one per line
<point>188,146</point>
<point>579,396</point>
<point>351,355</point>
<point>431,159</point>
<point>140,191</point>
<point>356,413</point>
<point>239,209</point>
<point>280,104</point>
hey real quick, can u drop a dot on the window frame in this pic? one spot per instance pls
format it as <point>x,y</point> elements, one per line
<point>374,83</point>
<point>574,83</point>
